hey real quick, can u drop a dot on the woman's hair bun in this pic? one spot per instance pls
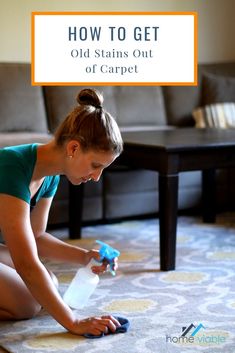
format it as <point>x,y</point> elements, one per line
<point>90,96</point>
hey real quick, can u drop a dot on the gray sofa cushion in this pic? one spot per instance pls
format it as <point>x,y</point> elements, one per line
<point>217,89</point>
<point>60,100</point>
<point>124,103</point>
<point>19,138</point>
<point>180,102</point>
<point>21,105</point>
<point>140,106</point>
<point>131,204</point>
<point>122,180</point>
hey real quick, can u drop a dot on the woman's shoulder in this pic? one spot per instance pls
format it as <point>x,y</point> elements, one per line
<point>8,155</point>
<point>15,154</point>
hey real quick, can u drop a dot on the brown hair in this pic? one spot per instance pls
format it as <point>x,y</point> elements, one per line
<point>91,125</point>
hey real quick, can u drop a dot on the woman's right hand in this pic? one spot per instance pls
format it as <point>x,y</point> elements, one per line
<point>95,325</point>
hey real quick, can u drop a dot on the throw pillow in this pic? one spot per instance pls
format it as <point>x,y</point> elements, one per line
<point>220,115</point>
<point>217,89</point>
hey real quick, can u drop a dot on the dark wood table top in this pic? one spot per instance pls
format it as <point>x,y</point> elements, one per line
<point>181,139</point>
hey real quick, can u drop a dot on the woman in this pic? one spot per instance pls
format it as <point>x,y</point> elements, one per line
<point>85,143</point>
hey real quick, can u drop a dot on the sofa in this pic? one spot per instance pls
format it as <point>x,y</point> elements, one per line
<point>31,114</point>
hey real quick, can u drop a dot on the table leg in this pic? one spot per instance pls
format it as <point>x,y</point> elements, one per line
<point>168,205</point>
<point>209,195</point>
<point>75,210</point>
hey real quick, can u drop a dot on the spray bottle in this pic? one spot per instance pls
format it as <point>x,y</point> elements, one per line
<point>85,281</point>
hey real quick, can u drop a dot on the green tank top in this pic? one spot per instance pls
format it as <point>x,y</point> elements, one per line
<point>16,169</point>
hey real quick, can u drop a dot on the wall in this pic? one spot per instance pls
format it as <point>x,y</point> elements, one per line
<point>215,33</point>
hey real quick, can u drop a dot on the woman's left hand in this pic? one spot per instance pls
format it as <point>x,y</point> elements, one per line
<point>103,266</point>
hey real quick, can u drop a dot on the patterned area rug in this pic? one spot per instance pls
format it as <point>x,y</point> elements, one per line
<point>191,309</point>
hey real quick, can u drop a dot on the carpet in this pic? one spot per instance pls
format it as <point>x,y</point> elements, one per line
<point>191,309</point>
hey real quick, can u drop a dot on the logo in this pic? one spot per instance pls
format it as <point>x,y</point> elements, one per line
<point>189,335</point>
<point>186,330</point>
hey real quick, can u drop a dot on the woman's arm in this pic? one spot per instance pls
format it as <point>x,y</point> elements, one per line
<point>53,248</point>
<point>20,240</point>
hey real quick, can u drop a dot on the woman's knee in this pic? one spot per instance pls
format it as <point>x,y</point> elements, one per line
<point>16,302</point>
<point>19,313</point>
<point>28,312</point>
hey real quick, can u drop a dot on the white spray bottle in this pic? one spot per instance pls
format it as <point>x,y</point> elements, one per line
<point>85,281</point>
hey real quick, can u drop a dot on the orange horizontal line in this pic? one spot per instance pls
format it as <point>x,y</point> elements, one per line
<point>114,83</point>
<point>165,13</point>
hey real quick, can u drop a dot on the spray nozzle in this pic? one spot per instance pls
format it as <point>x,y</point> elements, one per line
<point>108,253</point>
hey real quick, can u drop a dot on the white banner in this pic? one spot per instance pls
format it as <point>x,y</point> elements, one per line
<point>114,48</point>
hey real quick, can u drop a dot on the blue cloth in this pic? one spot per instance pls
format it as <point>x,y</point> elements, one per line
<point>125,324</point>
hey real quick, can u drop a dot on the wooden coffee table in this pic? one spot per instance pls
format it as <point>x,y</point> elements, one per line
<point>170,152</point>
